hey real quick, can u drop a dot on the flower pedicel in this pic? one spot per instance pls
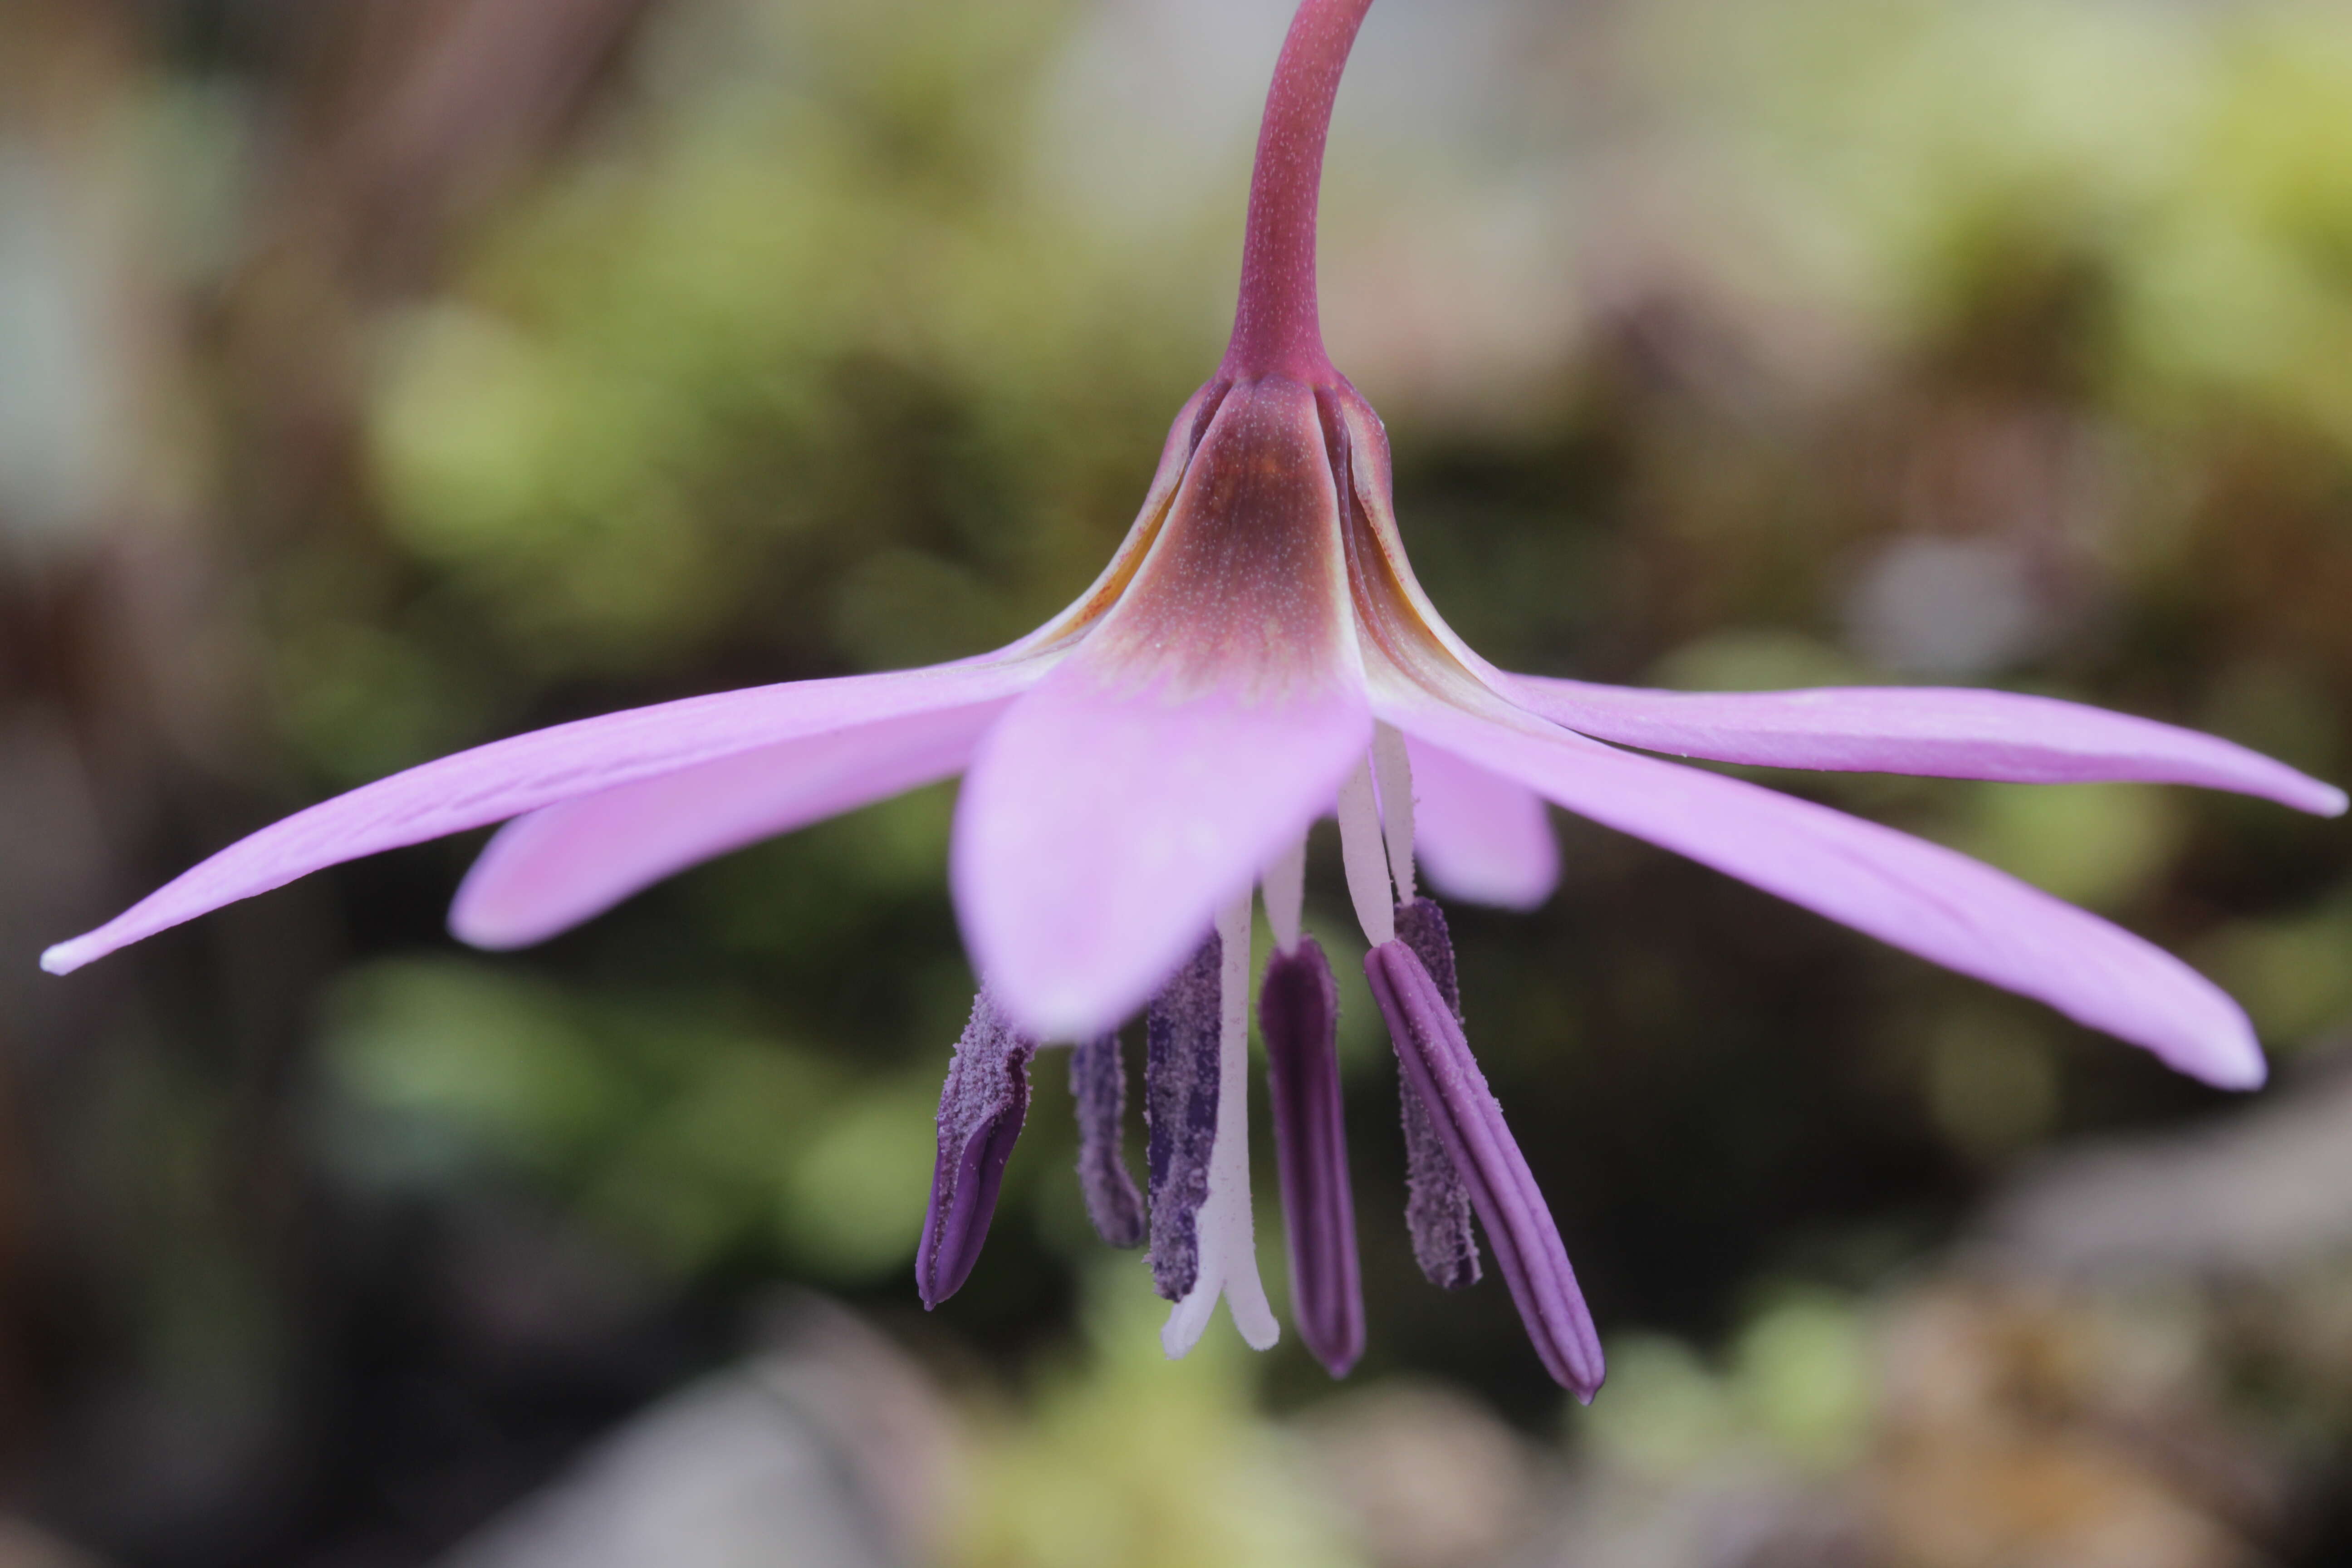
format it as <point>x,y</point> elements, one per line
<point>1256,653</point>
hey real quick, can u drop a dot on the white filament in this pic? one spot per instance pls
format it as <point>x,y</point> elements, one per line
<point>1365,858</point>
<point>1284,887</point>
<point>1395,774</point>
<point>1228,1242</point>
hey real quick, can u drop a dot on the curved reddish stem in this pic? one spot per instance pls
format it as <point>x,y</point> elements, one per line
<point>1276,328</point>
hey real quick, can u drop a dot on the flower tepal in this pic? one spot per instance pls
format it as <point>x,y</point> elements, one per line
<point>1256,655</point>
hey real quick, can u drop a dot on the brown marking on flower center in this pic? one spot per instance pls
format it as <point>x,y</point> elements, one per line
<point>1244,589</point>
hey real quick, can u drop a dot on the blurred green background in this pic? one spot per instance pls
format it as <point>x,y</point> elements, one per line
<point>382,376</point>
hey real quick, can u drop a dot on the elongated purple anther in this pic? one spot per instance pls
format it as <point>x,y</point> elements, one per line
<point>1099,1087</point>
<point>1179,1110</point>
<point>982,1107</point>
<point>1520,1228</point>
<point>1298,1012</point>
<point>1437,1202</point>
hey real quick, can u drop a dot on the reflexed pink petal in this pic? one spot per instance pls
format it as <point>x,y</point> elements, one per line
<point>1925,730</point>
<point>1479,837</point>
<point>1098,831</point>
<point>1185,743</point>
<point>1918,895</point>
<point>562,864</point>
<point>506,778</point>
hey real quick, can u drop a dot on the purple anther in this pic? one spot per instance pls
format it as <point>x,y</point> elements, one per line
<point>1099,1086</point>
<point>1180,1111</point>
<point>1437,1203</point>
<point>1520,1228</point>
<point>981,1108</point>
<point>1298,1012</point>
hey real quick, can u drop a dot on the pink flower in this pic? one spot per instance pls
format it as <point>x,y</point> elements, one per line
<point>1256,653</point>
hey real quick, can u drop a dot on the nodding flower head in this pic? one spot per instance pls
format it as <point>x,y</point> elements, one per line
<point>1256,655</point>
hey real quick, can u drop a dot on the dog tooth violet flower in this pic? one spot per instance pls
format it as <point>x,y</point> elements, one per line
<point>1257,654</point>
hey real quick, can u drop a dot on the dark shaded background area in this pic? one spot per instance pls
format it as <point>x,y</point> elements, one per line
<point>378,378</point>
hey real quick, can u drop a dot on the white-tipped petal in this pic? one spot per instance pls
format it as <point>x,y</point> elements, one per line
<point>1478,836</point>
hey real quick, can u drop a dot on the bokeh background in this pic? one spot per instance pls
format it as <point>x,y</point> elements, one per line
<point>382,376</point>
